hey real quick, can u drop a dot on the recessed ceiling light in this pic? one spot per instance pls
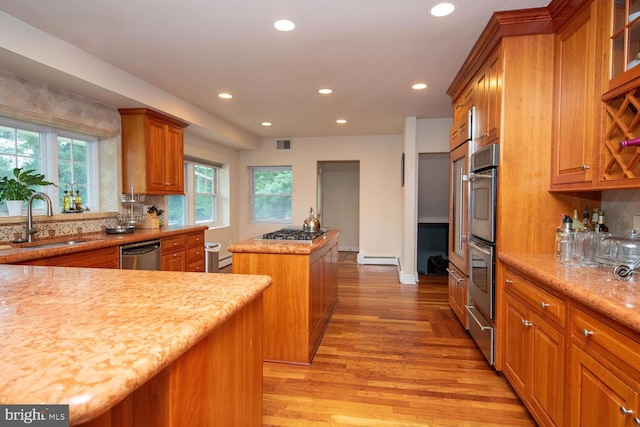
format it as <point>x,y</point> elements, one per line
<point>325,91</point>
<point>266,124</point>
<point>419,86</point>
<point>284,25</point>
<point>442,9</point>
<point>341,121</point>
<point>225,95</point>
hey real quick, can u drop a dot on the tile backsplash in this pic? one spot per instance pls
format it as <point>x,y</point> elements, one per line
<point>57,226</point>
<point>619,207</point>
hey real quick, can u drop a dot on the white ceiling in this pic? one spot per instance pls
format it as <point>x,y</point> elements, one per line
<point>369,52</point>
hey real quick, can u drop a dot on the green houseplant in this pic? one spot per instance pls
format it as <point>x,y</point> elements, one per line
<point>21,186</point>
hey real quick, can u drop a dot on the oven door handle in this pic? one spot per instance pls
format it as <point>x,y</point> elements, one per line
<point>481,175</point>
<point>479,248</point>
<point>470,309</point>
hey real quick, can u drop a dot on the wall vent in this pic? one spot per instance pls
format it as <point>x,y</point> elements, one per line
<point>283,144</point>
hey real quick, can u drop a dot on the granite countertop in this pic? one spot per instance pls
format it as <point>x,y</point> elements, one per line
<point>89,337</point>
<point>594,287</point>
<point>20,252</point>
<point>286,247</point>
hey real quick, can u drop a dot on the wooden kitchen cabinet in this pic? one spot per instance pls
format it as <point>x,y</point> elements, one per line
<point>174,257</point>
<point>461,107</point>
<point>458,299</point>
<point>605,381</point>
<point>487,100</point>
<point>195,252</point>
<point>577,105</point>
<point>534,356</point>
<point>152,152</point>
<point>95,258</point>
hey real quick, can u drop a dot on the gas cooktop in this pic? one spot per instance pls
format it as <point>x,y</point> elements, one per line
<point>294,235</point>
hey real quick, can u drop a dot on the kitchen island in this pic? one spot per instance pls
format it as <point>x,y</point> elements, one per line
<point>125,348</point>
<point>299,304</point>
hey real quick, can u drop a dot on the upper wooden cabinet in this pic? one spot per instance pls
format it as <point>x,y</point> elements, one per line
<point>460,131</point>
<point>577,91</point>
<point>152,152</point>
<point>488,102</point>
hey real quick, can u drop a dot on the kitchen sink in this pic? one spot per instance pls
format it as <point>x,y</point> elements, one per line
<point>59,244</point>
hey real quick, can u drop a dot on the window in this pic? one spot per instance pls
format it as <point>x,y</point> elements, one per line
<point>271,194</point>
<point>199,205</point>
<point>65,158</point>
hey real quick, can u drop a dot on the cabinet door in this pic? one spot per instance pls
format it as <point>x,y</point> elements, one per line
<point>156,157</point>
<point>458,294</point>
<point>174,262</point>
<point>546,383</point>
<point>315,293</point>
<point>515,348</point>
<point>96,258</point>
<point>575,105</point>
<point>598,394</point>
<point>488,101</point>
<point>458,207</point>
<point>173,164</point>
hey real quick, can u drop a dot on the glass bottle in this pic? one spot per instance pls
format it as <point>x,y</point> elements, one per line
<point>78,201</point>
<point>66,202</point>
<point>602,228</point>
<point>585,220</point>
<point>594,219</point>
<point>577,223</point>
<point>565,245</point>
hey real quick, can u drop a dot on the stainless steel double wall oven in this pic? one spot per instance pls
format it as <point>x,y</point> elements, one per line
<point>482,246</point>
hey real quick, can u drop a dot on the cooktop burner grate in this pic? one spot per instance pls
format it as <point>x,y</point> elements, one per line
<point>294,234</point>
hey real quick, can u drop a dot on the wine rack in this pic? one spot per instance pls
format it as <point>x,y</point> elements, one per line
<point>621,121</point>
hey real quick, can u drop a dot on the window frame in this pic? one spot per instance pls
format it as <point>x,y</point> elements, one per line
<point>189,197</point>
<point>252,194</point>
<point>49,162</point>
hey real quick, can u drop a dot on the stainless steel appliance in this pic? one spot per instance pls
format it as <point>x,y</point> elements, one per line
<point>294,235</point>
<point>483,181</point>
<point>482,221</point>
<point>140,256</point>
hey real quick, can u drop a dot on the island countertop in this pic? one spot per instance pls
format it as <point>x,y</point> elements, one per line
<point>290,247</point>
<point>89,337</point>
<point>594,287</point>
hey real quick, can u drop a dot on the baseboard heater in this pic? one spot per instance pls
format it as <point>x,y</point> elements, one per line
<point>223,262</point>
<point>377,260</point>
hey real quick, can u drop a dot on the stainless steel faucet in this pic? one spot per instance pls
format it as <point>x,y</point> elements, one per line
<point>31,230</point>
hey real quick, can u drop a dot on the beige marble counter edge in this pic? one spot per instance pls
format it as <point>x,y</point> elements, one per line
<point>255,245</point>
<point>29,251</point>
<point>25,380</point>
<point>595,287</point>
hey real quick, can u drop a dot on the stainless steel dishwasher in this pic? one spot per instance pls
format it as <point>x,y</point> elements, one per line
<point>140,256</point>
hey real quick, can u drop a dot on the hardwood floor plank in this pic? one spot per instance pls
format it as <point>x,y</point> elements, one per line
<point>393,355</point>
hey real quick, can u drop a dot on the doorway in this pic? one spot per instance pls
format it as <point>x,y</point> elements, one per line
<point>339,200</point>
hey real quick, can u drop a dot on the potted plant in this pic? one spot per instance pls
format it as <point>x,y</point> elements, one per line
<point>16,190</point>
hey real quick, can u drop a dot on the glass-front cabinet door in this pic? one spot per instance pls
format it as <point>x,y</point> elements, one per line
<point>625,40</point>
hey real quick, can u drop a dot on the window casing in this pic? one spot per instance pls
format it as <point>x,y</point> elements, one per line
<point>271,194</point>
<point>64,158</point>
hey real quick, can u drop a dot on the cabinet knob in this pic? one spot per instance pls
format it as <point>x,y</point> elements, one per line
<point>526,323</point>
<point>585,167</point>
<point>509,281</point>
<point>636,421</point>
<point>625,411</point>
<point>587,332</point>
<point>544,304</point>
<point>167,184</point>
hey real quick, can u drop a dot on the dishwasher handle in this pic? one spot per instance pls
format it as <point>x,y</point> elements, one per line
<point>140,248</point>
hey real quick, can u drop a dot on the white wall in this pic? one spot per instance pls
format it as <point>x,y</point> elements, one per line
<point>380,211</point>
<point>341,202</point>
<point>433,135</point>
<point>228,198</point>
<point>433,187</point>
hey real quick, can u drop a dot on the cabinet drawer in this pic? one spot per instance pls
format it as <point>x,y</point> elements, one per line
<point>604,339</point>
<point>543,302</point>
<point>195,239</point>
<point>195,254</point>
<point>196,266</point>
<point>173,244</point>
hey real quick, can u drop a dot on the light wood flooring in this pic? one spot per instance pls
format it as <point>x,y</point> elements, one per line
<point>393,355</point>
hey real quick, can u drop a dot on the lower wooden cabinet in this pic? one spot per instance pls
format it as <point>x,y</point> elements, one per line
<point>195,252</point>
<point>534,358</point>
<point>174,257</point>
<point>458,294</point>
<point>605,382</point>
<point>96,258</point>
